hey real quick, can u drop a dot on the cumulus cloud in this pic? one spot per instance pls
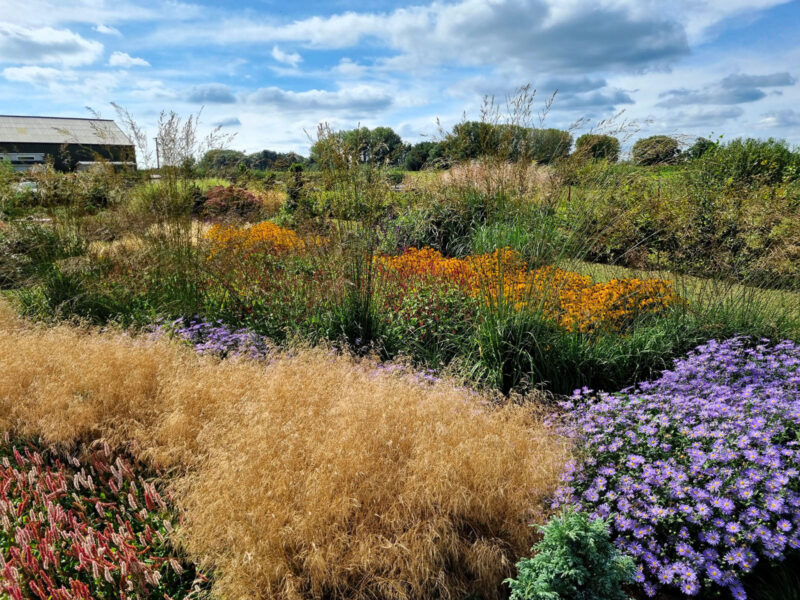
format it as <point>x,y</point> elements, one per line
<point>124,60</point>
<point>31,45</point>
<point>733,89</point>
<point>781,118</point>
<point>525,33</point>
<point>352,99</point>
<point>292,58</point>
<point>40,76</point>
<point>212,93</point>
<point>106,30</point>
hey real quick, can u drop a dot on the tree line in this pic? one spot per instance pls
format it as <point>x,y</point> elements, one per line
<point>468,140</point>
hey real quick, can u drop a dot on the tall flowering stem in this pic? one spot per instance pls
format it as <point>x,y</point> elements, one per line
<point>699,469</point>
<point>81,529</point>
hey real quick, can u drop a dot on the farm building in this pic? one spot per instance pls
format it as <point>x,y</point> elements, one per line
<point>71,144</point>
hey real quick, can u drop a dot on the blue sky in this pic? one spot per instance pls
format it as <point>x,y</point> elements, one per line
<point>270,71</point>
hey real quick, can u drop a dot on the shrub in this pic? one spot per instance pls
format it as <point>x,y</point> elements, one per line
<point>575,560</point>
<point>309,475</point>
<point>30,247</point>
<point>698,469</point>
<point>743,162</point>
<point>598,146</point>
<point>87,190</point>
<point>222,201</point>
<point>420,156</point>
<point>396,176</point>
<point>549,145</point>
<point>699,148</point>
<point>656,150</point>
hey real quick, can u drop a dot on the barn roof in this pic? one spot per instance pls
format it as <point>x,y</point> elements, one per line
<point>60,130</point>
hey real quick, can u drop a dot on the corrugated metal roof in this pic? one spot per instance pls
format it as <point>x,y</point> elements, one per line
<point>57,130</point>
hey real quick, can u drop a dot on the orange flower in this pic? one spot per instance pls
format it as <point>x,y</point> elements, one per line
<point>264,236</point>
<point>570,299</point>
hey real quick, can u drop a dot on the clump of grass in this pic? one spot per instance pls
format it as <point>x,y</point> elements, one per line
<point>310,476</point>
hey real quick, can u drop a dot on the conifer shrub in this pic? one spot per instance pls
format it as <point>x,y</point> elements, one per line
<point>575,560</point>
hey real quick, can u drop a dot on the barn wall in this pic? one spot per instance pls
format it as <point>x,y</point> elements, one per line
<point>65,156</point>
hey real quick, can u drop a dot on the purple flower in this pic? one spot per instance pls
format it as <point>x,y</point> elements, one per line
<point>697,466</point>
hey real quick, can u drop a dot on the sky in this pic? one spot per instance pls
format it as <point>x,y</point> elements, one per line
<point>271,71</point>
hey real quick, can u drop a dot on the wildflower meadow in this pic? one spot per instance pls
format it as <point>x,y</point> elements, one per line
<point>504,364</point>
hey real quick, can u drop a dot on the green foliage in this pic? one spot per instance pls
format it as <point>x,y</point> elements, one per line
<point>229,163</point>
<point>421,155</point>
<point>656,150</point>
<point>13,199</point>
<point>470,140</point>
<point>429,323</point>
<point>575,560</point>
<point>699,148</point>
<point>775,582</point>
<point>597,146</point>
<point>379,146</point>
<point>550,145</point>
<point>169,198</point>
<point>354,316</point>
<point>748,162</point>
<point>29,247</point>
<point>89,190</point>
<point>688,221</point>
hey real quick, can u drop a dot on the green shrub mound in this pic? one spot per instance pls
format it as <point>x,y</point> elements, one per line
<point>656,150</point>
<point>575,560</point>
<point>597,146</point>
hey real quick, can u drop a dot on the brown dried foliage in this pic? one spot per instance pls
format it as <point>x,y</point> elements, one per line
<point>311,476</point>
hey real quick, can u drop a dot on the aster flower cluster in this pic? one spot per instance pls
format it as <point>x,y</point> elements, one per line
<point>217,339</point>
<point>698,470</point>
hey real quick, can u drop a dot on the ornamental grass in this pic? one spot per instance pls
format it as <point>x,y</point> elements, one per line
<point>309,475</point>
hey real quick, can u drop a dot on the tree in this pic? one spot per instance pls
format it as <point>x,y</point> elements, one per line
<point>656,150</point>
<point>471,139</point>
<point>699,148</point>
<point>385,146</point>
<point>418,156</point>
<point>219,161</point>
<point>548,145</point>
<point>377,146</point>
<point>598,146</point>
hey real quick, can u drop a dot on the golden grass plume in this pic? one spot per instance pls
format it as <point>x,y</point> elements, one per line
<point>310,476</point>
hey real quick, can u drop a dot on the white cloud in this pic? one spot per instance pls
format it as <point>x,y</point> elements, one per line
<point>529,35</point>
<point>781,118</point>
<point>353,99</point>
<point>58,12</point>
<point>32,45</point>
<point>39,76</point>
<point>292,58</point>
<point>124,60</point>
<point>106,30</point>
